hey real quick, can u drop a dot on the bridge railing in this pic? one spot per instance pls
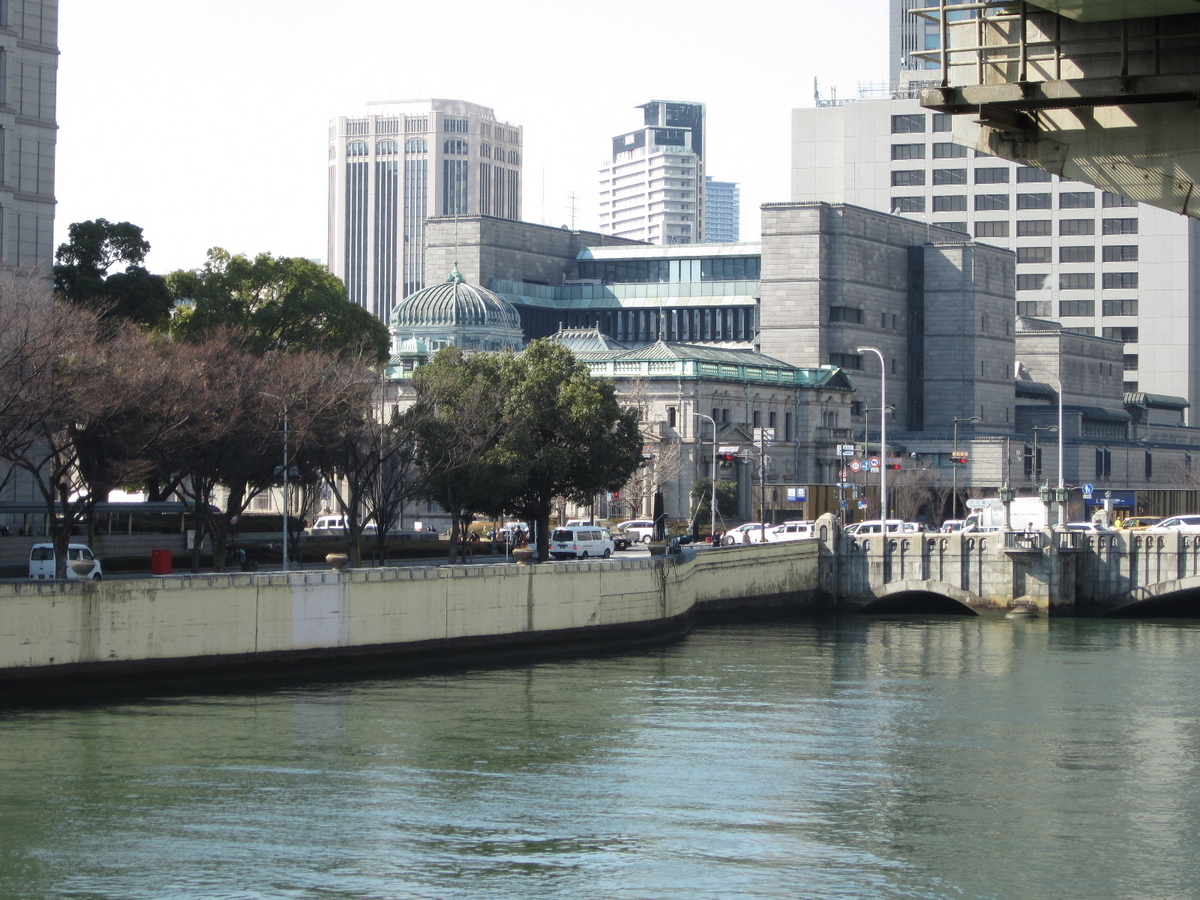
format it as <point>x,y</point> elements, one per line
<point>1022,540</point>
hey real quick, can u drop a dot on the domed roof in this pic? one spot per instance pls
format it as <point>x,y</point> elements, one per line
<point>455,303</point>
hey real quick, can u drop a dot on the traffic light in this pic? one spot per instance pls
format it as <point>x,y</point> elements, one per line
<point>894,465</point>
<point>958,460</point>
<point>726,459</point>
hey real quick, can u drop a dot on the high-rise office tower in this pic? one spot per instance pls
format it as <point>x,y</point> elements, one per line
<point>722,212</point>
<point>404,162</point>
<point>28,73</point>
<point>652,189</point>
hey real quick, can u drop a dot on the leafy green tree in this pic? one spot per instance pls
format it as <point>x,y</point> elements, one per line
<point>83,266</point>
<point>564,432</point>
<point>458,424</point>
<point>284,303</point>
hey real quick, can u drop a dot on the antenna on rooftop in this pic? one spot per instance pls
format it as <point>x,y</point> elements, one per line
<point>572,196</point>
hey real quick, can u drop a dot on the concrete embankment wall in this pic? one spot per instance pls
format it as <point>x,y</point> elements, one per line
<point>398,615</point>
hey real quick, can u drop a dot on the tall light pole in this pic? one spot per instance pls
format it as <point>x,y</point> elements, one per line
<point>713,533</point>
<point>285,476</point>
<point>954,462</point>
<point>1061,493</point>
<point>883,494</point>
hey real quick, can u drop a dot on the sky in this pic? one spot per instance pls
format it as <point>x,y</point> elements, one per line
<point>207,123</point>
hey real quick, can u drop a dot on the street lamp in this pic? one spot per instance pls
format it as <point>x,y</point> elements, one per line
<point>883,494</point>
<point>1061,494</point>
<point>1037,466</point>
<point>713,533</point>
<point>954,463</point>
<point>285,475</point>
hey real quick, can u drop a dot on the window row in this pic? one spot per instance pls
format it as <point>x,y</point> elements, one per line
<point>1078,254</point>
<point>1079,281</point>
<point>1068,227</point>
<point>1043,309</point>
<point>914,123</point>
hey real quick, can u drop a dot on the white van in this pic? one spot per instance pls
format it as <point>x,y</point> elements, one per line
<point>581,542</point>
<point>790,531</point>
<point>638,530</point>
<point>41,561</point>
<point>335,526</point>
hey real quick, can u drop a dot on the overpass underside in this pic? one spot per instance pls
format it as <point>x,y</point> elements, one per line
<point>1099,97</point>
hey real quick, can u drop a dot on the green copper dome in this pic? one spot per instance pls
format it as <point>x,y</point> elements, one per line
<point>454,304</point>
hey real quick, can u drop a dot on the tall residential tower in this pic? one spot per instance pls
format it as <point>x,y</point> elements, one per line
<point>404,162</point>
<point>652,189</point>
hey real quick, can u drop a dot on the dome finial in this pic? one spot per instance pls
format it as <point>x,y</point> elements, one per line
<point>455,275</point>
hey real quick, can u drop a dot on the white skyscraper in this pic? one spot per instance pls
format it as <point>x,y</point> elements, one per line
<point>722,211</point>
<point>404,162</point>
<point>653,187</point>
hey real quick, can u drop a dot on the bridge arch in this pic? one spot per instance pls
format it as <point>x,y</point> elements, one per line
<point>885,596</point>
<point>1162,596</point>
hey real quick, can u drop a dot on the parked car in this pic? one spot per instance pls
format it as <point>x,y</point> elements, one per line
<point>953,526</point>
<point>335,526</point>
<point>750,533</point>
<point>41,562</point>
<point>790,531</point>
<point>894,526</point>
<point>1090,527</point>
<point>1181,523</point>
<point>638,530</point>
<point>581,542</point>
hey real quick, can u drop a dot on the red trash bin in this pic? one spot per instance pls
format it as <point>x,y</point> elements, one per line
<point>161,562</point>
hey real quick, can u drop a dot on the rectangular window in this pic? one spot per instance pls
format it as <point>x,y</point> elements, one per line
<point>845,314</point>
<point>907,177</point>
<point>1033,201</point>
<point>908,151</point>
<point>1120,226</point>
<point>909,124</point>
<point>948,151</point>
<point>787,426</point>
<point>1111,200</point>
<point>942,122</point>
<point>1076,226</point>
<point>991,201</point>
<point>1082,329</point>
<point>991,175</point>
<point>1120,307</point>
<point>954,226</point>
<point>1121,253</point>
<point>1126,335</point>
<point>908,204</point>
<point>1037,309</point>
<point>670,416</point>
<point>1076,254</point>
<point>1077,200</point>
<point>1031,282</point>
<point>1077,281</point>
<point>1033,255</point>
<point>1077,307</point>
<point>845,360</point>
<point>771,419</point>
<point>756,419</point>
<point>950,203</point>
<point>1130,362</point>
<point>1030,175</point>
<point>991,229</point>
<point>949,176</point>
<point>1120,281</point>
<point>1033,228</point>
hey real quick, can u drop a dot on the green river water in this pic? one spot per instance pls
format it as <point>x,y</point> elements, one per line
<point>859,758</point>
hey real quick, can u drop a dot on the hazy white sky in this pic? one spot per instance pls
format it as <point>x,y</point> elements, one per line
<point>207,123</point>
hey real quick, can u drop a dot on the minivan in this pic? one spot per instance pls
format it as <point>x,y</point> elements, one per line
<point>41,561</point>
<point>335,526</point>
<point>581,542</point>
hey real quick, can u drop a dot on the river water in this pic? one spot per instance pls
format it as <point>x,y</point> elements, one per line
<point>857,758</point>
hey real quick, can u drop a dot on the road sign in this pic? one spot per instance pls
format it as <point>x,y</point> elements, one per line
<point>978,504</point>
<point>855,465</point>
<point>730,448</point>
<point>842,475</point>
<point>845,485</point>
<point>874,462</point>
<point>959,454</point>
<point>1087,490</point>
<point>845,449</point>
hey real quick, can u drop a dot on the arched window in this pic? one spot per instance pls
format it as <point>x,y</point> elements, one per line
<point>455,146</point>
<point>419,145</point>
<point>387,147</point>
<point>513,157</point>
<point>356,148</point>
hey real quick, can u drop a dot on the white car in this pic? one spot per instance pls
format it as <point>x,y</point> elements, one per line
<point>1181,523</point>
<point>638,530</point>
<point>790,531</point>
<point>41,562</point>
<point>750,533</point>
<point>1090,527</point>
